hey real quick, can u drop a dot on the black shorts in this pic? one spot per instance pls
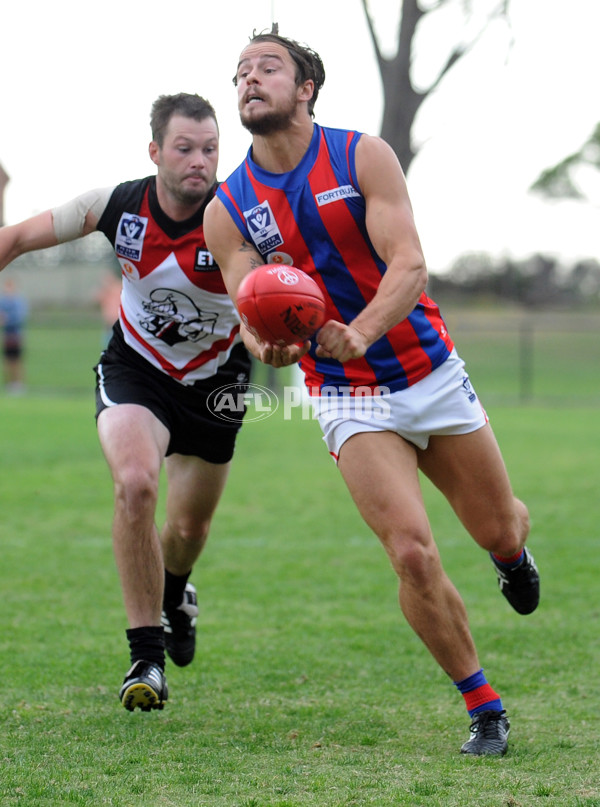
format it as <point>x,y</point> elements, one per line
<point>123,376</point>
<point>13,346</point>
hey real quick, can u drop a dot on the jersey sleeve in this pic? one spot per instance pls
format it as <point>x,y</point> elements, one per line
<point>125,197</point>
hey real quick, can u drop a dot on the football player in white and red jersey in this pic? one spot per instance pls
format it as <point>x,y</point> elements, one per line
<point>176,341</point>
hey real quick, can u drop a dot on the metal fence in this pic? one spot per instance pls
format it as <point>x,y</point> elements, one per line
<point>544,357</point>
<point>512,357</point>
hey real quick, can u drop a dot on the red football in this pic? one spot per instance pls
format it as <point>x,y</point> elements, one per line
<point>280,304</point>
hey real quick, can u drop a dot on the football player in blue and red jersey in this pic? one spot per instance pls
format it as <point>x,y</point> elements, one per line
<point>390,391</point>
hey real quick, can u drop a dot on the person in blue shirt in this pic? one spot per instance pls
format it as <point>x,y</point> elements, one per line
<point>14,310</point>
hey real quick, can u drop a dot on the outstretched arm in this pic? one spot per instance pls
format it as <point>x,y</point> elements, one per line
<point>72,220</point>
<point>27,236</point>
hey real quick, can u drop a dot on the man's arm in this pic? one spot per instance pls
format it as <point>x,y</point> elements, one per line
<point>72,220</point>
<point>236,257</point>
<point>391,227</point>
<point>27,236</point>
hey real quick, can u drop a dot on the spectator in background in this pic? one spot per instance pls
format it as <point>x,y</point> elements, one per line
<point>13,317</point>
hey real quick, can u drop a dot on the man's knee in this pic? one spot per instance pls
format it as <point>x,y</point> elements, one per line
<point>414,557</point>
<point>506,535</point>
<point>136,488</point>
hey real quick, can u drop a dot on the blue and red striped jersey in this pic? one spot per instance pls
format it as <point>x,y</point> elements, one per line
<point>313,218</point>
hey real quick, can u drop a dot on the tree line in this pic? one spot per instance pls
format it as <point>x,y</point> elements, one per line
<point>538,281</point>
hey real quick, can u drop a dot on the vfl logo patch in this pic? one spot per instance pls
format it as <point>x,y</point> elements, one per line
<point>343,192</point>
<point>263,228</point>
<point>130,236</point>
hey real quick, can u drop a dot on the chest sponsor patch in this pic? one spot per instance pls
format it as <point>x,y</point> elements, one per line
<point>129,240</point>
<point>204,261</point>
<point>263,228</point>
<point>335,194</point>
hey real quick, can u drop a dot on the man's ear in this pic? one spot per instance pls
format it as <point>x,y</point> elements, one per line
<point>306,91</point>
<point>154,152</point>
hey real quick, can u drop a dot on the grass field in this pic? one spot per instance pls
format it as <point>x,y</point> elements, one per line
<point>539,358</point>
<point>308,689</point>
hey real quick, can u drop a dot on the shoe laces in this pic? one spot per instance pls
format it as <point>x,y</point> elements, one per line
<point>486,723</point>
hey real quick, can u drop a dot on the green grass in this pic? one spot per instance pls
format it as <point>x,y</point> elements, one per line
<point>554,363</point>
<point>309,690</point>
<point>533,357</point>
<point>59,358</point>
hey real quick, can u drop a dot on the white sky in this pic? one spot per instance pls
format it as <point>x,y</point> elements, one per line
<point>77,81</point>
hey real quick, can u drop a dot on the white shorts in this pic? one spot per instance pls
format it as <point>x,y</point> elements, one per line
<point>444,402</point>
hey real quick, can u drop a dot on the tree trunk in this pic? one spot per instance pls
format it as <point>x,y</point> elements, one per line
<point>401,100</point>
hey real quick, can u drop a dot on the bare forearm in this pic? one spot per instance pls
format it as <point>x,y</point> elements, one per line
<point>397,295</point>
<point>35,233</point>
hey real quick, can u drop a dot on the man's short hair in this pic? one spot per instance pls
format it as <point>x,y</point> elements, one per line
<point>185,104</point>
<point>308,62</point>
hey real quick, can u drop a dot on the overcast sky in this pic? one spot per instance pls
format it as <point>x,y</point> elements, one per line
<point>78,80</point>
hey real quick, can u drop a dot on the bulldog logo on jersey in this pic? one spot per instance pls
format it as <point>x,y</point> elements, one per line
<point>129,239</point>
<point>263,228</point>
<point>173,317</point>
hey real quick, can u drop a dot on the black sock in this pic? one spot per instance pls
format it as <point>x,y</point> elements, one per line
<point>174,588</point>
<point>147,644</point>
